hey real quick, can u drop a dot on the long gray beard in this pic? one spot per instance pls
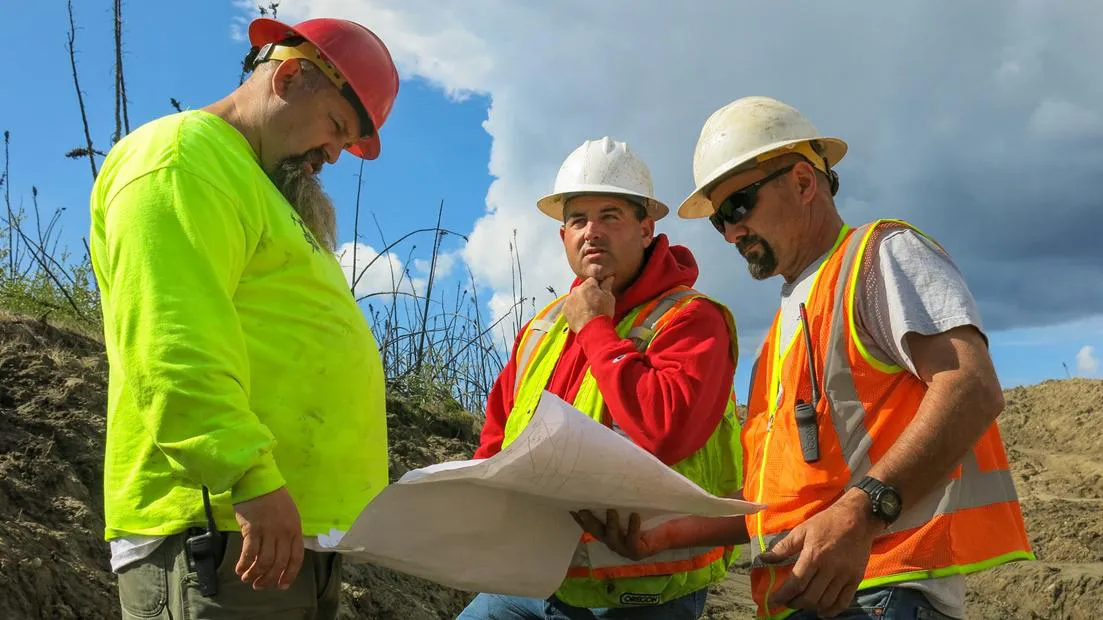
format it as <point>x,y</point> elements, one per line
<point>303,190</point>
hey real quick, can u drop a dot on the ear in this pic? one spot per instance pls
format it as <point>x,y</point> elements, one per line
<point>807,181</point>
<point>562,233</point>
<point>288,71</point>
<point>647,227</point>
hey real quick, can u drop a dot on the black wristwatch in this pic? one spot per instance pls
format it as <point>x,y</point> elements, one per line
<point>885,499</point>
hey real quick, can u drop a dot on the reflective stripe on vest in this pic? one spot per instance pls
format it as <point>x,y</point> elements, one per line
<point>969,522</point>
<point>538,328</point>
<point>974,489</point>
<point>598,577</point>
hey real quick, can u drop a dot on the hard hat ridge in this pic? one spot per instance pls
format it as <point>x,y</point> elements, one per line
<point>603,166</point>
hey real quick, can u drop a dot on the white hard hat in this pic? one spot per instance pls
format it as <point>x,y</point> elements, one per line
<point>745,132</point>
<point>602,166</point>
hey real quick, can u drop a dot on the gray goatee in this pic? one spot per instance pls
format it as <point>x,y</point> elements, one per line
<point>761,264</point>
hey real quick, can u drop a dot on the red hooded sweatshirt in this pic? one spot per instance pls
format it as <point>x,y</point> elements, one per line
<point>668,399</point>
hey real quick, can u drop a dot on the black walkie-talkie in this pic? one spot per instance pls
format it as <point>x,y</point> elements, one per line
<point>205,550</point>
<point>807,426</point>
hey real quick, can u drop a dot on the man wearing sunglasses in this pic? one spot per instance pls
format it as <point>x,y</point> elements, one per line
<point>636,348</point>
<point>870,433</point>
<point>246,408</point>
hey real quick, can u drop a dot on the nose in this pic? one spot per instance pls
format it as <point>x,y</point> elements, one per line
<point>332,152</point>
<point>734,232</point>
<point>592,231</point>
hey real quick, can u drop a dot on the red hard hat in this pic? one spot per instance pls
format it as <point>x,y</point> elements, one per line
<point>357,54</point>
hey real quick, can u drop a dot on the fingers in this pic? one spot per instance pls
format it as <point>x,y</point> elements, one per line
<point>812,597</point>
<point>789,591</point>
<point>250,548</point>
<point>634,544</point>
<point>785,547</point>
<point>615,536</point>
<point>578,519</point>
<point>803,573</point>
<point>590,524</point>
<point>628,543</point>
<point>276,562</point>
<point>612,524</point>
<point>294,564</point>
<point>633,526</point>
<point>281,552</point>
<point>265,557</point>
<point>830,597</point>
<point>842,599</point>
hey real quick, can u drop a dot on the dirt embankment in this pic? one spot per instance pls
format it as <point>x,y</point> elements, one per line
<point>53,562</point>
<point>1054,434</point>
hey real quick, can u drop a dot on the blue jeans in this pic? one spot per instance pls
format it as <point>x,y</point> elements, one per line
<point>885,603</point>
<point>498,607</point>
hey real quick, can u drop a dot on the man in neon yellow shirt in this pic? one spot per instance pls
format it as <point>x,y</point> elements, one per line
<point>240,364</point>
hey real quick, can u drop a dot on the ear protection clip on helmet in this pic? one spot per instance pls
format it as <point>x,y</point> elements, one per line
<point>832,176</point>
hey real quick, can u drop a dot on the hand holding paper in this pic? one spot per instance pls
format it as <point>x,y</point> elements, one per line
<point>504,524</point>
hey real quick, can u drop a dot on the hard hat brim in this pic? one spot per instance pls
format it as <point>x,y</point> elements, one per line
<point>263,31</point>
<point>698,205</point>
<point>552,204</point>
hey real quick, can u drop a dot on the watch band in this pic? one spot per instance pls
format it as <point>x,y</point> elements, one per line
<point>877,491</point>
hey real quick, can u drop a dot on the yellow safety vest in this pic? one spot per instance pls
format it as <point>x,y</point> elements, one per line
<point>597,577</point>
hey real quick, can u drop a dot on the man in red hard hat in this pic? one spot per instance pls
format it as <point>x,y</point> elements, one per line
<point>246,410</point>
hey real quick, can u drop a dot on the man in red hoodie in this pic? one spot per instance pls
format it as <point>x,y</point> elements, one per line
<point>636,348</point>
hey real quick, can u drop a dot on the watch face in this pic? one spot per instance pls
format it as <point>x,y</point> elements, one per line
<point>890,503</point>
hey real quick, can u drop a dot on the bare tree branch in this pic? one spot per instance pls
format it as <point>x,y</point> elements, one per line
<point>122,118</point>
<point>80,96</point>
<point>429,286</point>
<point>7,201</point>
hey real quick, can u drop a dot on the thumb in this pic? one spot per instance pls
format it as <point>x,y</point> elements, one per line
<point>788,546</point>
<point>607,284</point>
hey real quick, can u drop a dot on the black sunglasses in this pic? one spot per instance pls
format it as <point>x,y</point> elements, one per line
<point>740,202</point>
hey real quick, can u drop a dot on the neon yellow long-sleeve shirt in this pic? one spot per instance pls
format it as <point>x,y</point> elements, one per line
<point>238,358</point>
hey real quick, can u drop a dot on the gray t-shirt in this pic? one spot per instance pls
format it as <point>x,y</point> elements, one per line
<point>912,286</point>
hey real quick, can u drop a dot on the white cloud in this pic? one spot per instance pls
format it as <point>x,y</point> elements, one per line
<point>882,75</point>
<point>1087,364</point>
<point>374,273</point>
<point>446,261</point>
<point>239,26</point>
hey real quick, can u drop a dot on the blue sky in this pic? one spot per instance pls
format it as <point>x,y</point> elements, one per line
<point>491,102</point>
<point>435,148</point>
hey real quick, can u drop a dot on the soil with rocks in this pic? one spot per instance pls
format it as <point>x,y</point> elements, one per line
<point>53,560</point>
<point>1054,434</point>
<point>54,563</point>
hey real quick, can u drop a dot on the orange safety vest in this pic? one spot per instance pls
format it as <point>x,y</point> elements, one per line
<point>970,522</point>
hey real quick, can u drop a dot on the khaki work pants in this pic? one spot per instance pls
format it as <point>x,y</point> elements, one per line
<point>162,586</point>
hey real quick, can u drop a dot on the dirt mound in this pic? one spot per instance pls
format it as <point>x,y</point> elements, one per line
<point>52,557</point>
<point>53,561</point>
<point>1054,434</point>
